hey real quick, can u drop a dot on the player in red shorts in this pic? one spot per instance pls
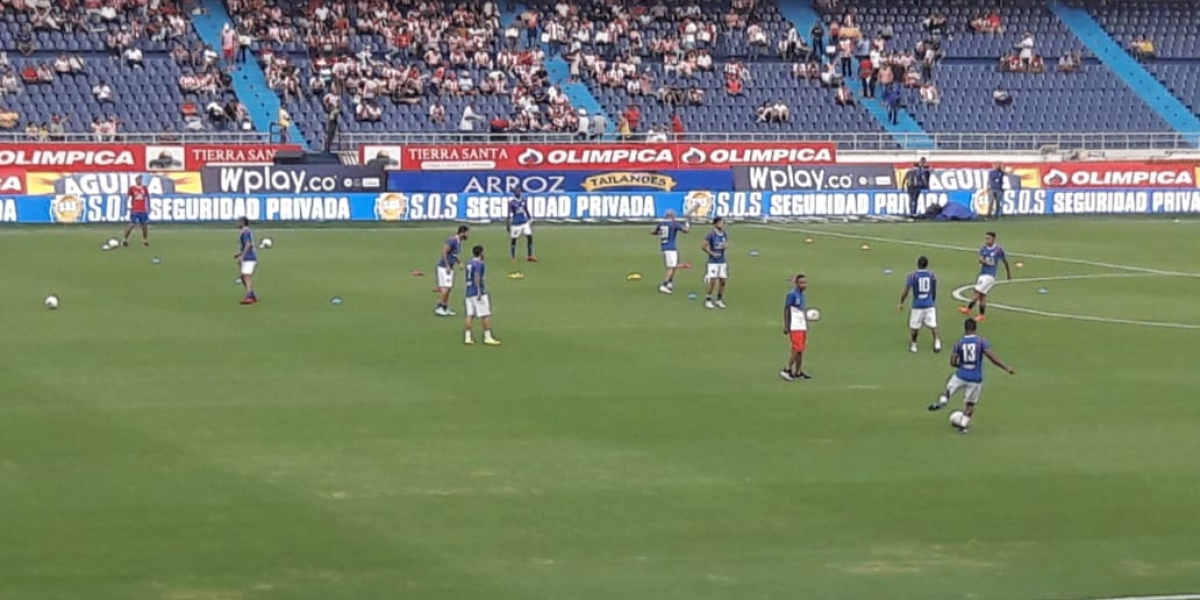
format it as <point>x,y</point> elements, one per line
<point>795,326</point>
<point>139,211</point>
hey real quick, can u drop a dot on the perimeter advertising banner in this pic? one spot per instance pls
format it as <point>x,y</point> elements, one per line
<point>95,205</point>
<point>110,158</point>
<point>506,182</point>
<point>593,157</point>
<point>292,179</point>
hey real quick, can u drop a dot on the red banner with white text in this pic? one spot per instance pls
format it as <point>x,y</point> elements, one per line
<point>592,157</point>
<point>122,158</point>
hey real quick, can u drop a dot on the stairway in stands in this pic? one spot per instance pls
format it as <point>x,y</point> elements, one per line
<point>907,133</point>
<point>249,81</point>
<point>1150,89</point>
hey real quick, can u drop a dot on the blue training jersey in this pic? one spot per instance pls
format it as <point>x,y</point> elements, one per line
<point>969,351</point>
<point>518,209</point>
<point>668,231</point>
<point>794,299</point>
<point>451,257</point>
<point>996,180</point>
<point>246,240</point>
<point>923,285</point>
<point>717,242</point>
<point>475,274</point>
<point>992,256</point>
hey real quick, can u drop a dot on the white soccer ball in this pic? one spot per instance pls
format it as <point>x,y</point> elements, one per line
<point>110,244</point>
<point>266,243</point>
<point>956,418</point>
<point>812,314</point>
<point>51,302</point>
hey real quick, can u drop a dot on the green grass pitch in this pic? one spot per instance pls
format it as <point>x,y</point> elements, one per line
<point>159,441</point>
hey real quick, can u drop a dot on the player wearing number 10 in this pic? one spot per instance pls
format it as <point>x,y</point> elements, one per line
<point>922,283</point>
<point>667,231</point>
<point>967,360</point>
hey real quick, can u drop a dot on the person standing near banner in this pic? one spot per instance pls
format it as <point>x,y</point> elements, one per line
<point>139,210</point>
<point>996,191</point>
<point>916,180</point>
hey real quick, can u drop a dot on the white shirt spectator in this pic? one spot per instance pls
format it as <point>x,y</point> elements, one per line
<point>469,118</point>
<point>1027,47</point>
<point>133,55</point>
<point>102,92</point>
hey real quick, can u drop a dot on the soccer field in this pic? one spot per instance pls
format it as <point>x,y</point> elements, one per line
<point>159,441</point>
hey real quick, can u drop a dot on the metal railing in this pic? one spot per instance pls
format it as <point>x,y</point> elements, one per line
<point>149,137</point>
<point>850,142</point>
<point>865,141</point>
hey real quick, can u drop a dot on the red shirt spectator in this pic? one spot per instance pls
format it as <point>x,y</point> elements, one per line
<point>634,116</point>
<point>733,86</point>
<point>677,126</point>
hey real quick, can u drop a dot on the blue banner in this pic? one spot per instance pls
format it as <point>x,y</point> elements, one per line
<point>487,182</point>
<point>624,206</point>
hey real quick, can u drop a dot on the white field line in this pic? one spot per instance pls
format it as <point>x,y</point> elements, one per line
<point>960,295</point>
<point>937,246</point>
<point>1167,597</point>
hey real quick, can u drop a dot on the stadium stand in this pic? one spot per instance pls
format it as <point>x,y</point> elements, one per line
<point>106,68</point>
<point>658,70</point>
<point>1165,36</point>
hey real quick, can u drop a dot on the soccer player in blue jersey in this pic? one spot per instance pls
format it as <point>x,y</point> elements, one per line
<point>922,283</point>
<point>667,230</point>
<point>479,304</point>
<point>967,360</point>
<point>795,326</point>
<point>714,246</point>
<point>990,255</point>
<point>247,259</point>
<point>445,270</point>
<point>520,223</point>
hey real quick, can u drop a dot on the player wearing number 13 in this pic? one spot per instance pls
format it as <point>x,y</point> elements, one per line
<point>967,360</point>
<point>990,255</point>
<point>922,283</point>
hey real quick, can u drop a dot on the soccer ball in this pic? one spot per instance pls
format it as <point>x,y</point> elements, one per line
<point>812,314</point>
<point>956,418</point>
<point>266,243</point>
<point>111,244</point>
<point>51,302</point>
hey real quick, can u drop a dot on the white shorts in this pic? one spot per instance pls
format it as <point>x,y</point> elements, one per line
<point>445,277</point>
<point>248,267</point>
<point>671,258</point>
<point>517,231</point>
<point>479,306</point>
<point>717,271</point>
<point>971,389</point>
<point>984,284</point>
<point>922,317</point>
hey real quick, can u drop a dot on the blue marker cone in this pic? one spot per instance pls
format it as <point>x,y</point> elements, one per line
<point>336,301</point>
<point>887,271</point>
<point>156,261</point>
<point>754,253</point>
<point>1043,291</point>
<point>693,295</point>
